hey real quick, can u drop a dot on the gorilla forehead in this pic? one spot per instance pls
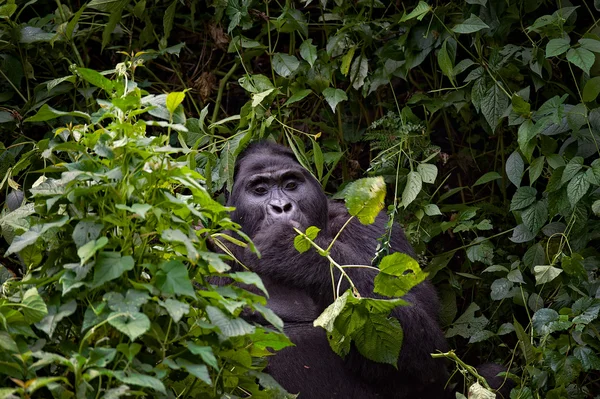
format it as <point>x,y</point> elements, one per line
<point>272,166</point>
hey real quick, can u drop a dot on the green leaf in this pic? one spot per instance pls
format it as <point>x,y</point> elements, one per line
<point>577,188</point>
<point>432,210</point>
<point>205,352</point>
<point>318,158</point>
<point>591,89</point>
<point>33,34</point>
<point>257,98</point>
<point>55,314</point>
<point>365,198</point>
<point>515,168</point>
<point>95,78</point>
<point>285,65</point>
<point>176,309</point>
<point>412,188</point>
<point>88,250</point>
<point>535,216</point>
<point>132,324</point>
<point>46,113</point>
<point>582,58</point>
<point>399,273</point>
<point>168,19</point>
<point>358,71</point>
<point>468,324</point>
<point>535,169</point>
<point>197,370</point>
<point>171,235</point>
<point>346,60</point>
<point>590,44</point>
<point>327,318</point>
<point>557,47</point>
<point>301,243</point>
<point>229,327</point>
<point>471,25</point>
<point>142,380</point>
<point>418,12</point>
<point>249,278</point>
<point>33,306</point>
<point>545,273</point>
<point>109,266</point>
<point>526,132</point>
<point>521,234</point>
<point>596,207</point>
<point>380,339</point>
<point>493,105</point>
<point>172,278</point>
<point>176,98</point>
<point>334,97</point>
<point>445,62</point>
<point>308,51</point>
<point>523,197</point>
<point>428,172</point>
<point>297,96</point>
<point>488,177</point>
<point>520,106</point>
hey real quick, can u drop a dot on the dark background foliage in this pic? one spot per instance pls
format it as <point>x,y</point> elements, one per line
<point>482,116</point>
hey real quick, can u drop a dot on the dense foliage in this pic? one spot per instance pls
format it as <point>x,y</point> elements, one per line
<point>481,116</point>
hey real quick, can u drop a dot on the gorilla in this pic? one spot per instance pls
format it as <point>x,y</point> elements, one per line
<point>272,193</point>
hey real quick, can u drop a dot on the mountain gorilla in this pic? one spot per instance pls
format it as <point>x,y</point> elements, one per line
<point>272,193</point>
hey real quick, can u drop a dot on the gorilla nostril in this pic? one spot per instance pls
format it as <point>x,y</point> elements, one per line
<point>287,207</point>
<point>276,209</point>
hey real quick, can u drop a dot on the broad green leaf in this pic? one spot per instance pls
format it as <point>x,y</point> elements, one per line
<point>412,188</point>
<point>432,210</point>
<point>250,278</point>
<point>428,172</point>
<point>95,78</point>
<point>308,51</point>
<point>33,306</point>
<point>172,278</point>
<point>471,25</point>
<point>380,339</point>
<point>33,34</point>
<point>557,47</point>
<point>596,207</point>
<point>229,327</point>
<point>590,44</point>
<point>520,106</point>
<point>418,12</point>
<point>535,216</point>
<point>346,60</point>
<point>535,169</point>
<point>171,235</point>
<point>257,98</point>
<point>87,251</point>
<point>197,370</point>
<point>521,234</point>
<point>132,324</point>
<point>365,198</point>
<point>523,197</point>
<point>255,83</point>
<point>494,104</point>
<point>334,97</point>
<point>501,289</point>
<point>573,265</point>
<point>285,65</point>
<point>327,318</point>
<point>399,273</point>
<point>86,231</point>
<point>582,58</point>
<point>526,132</point>
<point>358,71</point>
<point>591,89</point>
<point>55,314</point>
<point>524,342</point>
<point>168,18</point>
<point>542,320</point>
<point>142,380</point>
<point>577,188</point>
<point>176,309</point>
<point>515,168</point>
<point>546,273</point>
<point>174,99</point>
<point>488,177</point>
<point>301,243</point>
<point>46,113</point>
<point>318,158</point>
<point>205,352</point>
<point>468,324</point>
<point>109,266</point>
<point>137,209</point>
<point>297,96</point>
<point>445,62</point>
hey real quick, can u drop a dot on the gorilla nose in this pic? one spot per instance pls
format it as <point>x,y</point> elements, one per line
<point>280,209</point>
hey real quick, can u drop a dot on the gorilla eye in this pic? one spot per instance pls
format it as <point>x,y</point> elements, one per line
<point>260,190</point>
<point>291,185</point>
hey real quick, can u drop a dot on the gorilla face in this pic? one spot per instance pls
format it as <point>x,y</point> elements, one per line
<point>275,189</point>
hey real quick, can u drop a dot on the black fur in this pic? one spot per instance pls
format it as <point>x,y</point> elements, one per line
<point>273,192</point>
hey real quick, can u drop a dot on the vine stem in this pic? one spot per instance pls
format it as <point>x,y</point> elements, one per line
<point>470,369</point>
<point>222,84</point>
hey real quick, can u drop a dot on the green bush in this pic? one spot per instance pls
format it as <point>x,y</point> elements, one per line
<point>481,116</point>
